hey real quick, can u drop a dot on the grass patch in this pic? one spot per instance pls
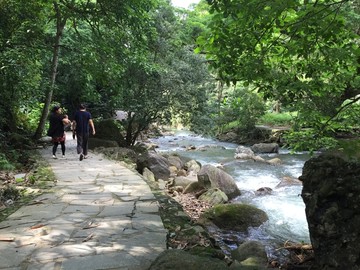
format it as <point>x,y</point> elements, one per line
<point>20,191</point>
<point>277,119</point>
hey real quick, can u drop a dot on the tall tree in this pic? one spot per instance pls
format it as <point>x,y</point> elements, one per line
<point>21,54</point>
<point>60,19</point>
<point>164,79</point>
<point>300,52</point>
<point>70,13</point>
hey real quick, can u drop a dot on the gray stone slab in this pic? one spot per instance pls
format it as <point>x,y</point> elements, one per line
<point>111,187</point>
<point>88,209</point>
<point>38,211</point>
<point>17,225</point>
<point>146,245</point>
<point>101,215</point>
<point>12,256</point>
<point>126,208</point>
<point>113,224</point>
<point>125,198</point>
<point>102,261</point>
<point>87,196</point>
<point>62,252</point>
<point>100,202</point>
<point>147,222</point>
<point>147,207</point>
<point>147,196</point>
<point>57,234</point>
<point>72,188</point>
<point>44,266</point>
<point>77,217</point>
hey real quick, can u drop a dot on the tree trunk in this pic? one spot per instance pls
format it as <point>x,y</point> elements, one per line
<point>60,24</point>
<point>277,107</point>
<point>220,88</point>
<point>129,128</point>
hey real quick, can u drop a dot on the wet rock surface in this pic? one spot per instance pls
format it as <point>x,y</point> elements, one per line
<point>331,192</point>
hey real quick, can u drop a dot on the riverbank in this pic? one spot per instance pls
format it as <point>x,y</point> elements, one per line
<point>178,215</point>
<point>98,215</point>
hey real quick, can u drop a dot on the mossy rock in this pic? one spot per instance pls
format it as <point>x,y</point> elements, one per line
<point>214,196</point>
<point>236,217</point>
<point>207,252</point>
<point>251,253</point>
<point>193,188</point>
<point>95,142</point>
<point>110,130</point>
<point>176,259</point>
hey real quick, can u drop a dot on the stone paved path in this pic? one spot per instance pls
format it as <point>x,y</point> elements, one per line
<point>101,216</point>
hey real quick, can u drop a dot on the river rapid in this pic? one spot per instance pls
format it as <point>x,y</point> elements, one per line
<point>284,206</point>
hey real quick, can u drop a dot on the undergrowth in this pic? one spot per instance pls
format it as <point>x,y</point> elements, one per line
<point>19,187</point>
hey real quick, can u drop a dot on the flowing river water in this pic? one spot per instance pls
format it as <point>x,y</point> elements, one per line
<point>284,206</point>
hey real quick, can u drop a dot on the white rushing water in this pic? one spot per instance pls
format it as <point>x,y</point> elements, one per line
<point>284,206</point>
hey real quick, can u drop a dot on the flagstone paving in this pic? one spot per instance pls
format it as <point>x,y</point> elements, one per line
<point>102,215</point>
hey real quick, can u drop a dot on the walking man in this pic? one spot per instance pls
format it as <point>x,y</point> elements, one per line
<point>82,124</point>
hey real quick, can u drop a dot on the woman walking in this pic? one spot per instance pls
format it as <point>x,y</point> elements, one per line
<point>57,131</point>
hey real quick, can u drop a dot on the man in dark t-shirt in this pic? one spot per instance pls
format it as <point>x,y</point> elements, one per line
<point>82,124</point>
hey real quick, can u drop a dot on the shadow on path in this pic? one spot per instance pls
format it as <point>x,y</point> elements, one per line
<point>101,215</point>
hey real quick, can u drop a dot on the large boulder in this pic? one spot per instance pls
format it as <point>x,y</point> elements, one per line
<point>220,179</point>
<point>287,181</point>
<point>274,161</point>
<point>109,130</point>
<point>331,192</point>
<point>95,143</point>
<point>251,254</point>
<point>148,175</point>
<point>175,161</point>
<point>201,185</point>
<point>235,217</point>
<point>228,137</point>
<point>192,166</point>
<point>243,152</point>
<point>193,187</point>
<point>176,259</point>
<point>265,148</point>
<point>156,163</point>
<point>183,181</point>
<point>210,146</point>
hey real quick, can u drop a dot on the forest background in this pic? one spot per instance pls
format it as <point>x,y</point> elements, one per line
<point>218,66</point>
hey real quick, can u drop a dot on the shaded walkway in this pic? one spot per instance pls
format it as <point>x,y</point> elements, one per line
<point>101,216</point>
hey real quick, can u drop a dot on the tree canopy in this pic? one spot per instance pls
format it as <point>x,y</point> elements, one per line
<point>127,55</point>
<point>304,53</point>
<point>138,56</point>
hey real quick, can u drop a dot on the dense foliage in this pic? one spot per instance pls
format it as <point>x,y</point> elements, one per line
<point>138,57</point>
<point>303,53</point>
<point>111,55</point>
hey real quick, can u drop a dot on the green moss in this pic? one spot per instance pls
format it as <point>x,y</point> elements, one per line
<point>236,217</point>
<point>207,252</point>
